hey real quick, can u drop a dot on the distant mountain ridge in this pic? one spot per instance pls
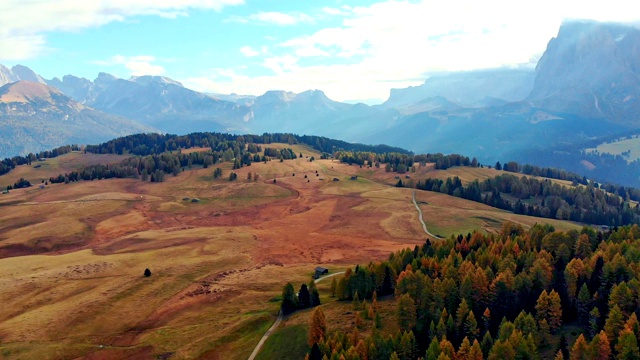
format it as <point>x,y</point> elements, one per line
<point>35,117</point>
<point>586,86</point>
<point>156,101</point>
<point>469,88</point>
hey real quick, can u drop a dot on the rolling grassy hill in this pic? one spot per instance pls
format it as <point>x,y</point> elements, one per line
<point>72,255</point>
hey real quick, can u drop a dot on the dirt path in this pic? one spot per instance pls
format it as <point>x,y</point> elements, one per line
<point>278,321</point>
<point>424,226</point>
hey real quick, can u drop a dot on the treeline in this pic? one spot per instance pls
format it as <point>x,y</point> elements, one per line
<point>606,167</point>
<point>504,296</point>
<point>154,144</point>
<point>154,168</point>
<point>308,296</point>
<point>553,173</point>
<point>541,198</point>
<point>402,162</point>
<point>9,164</point>
<point>286,154</point>
<point>22,183</point>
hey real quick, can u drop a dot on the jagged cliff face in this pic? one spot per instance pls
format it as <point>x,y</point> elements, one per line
<point>592,70</point>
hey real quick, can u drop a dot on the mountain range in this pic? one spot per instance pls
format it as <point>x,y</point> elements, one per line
<point>586,86</point>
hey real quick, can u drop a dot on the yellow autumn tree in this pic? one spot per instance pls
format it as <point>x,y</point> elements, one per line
<point>318,326</point>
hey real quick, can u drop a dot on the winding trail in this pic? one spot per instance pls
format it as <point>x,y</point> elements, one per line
<point>424,226</point>
<point>278,321</point>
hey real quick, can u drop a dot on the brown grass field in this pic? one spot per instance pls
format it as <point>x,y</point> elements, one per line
<point>54,166</point>
<point>72,256</point>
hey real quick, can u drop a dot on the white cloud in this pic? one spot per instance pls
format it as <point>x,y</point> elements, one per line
<point>23,24</point>
<point>249,52</point>
<point>136,65</point>
<point>272,18</point>
<point>335,11</point>
<point>396,43</point>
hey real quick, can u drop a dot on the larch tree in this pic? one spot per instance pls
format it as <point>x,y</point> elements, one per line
<point>333,287</point>
<point>476,351</point>
<point>600,347</point>
<point>614,323</point>
<point>627,346</point>
<point>464,350</point>
<point>406,313</point>
<point>549,307</point>
<point>502,350</point>
<point>446,347</point>
<point>318,326</point>
<point>461,317</point>
<point>580,349</point>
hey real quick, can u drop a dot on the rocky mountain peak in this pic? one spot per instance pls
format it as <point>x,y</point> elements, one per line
<point>591,69</point>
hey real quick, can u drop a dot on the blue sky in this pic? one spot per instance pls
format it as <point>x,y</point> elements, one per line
<point>352,50</point>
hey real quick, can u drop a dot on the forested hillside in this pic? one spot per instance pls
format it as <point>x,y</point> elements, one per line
<point>507,296</point>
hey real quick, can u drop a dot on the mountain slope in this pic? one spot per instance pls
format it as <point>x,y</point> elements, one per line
<point>592,70</point>
<point>36,117</point>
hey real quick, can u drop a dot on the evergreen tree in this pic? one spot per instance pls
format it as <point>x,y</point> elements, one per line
<point>486,344</point>
<point>583,304</point>
<point>594,321</point>
<point>563,346</point>
<point>315,295</point>
<point>304,297</point>
<point>334,284</point>
<point>407,349</point>
<point>315,353</point>
<point>434,350</point>
<point>289,301</point>
<point>471,327</point>
<point>217,173</point>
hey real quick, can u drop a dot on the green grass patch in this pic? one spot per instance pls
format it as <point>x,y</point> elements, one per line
<point>286,343</point>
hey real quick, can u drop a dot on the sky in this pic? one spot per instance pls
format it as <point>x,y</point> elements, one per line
<point>352,50</point>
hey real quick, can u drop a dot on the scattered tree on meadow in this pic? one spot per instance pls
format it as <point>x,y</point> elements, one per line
<point>289,300</point>
<point>317,327</point>
<point>304,297</point>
